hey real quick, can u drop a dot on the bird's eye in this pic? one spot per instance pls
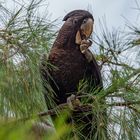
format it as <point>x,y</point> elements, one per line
<point>85,20</point>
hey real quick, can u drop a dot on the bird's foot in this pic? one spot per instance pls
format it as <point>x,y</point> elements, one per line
<point>85,44</point>
<point>88,55</point>
<point>73,102</point>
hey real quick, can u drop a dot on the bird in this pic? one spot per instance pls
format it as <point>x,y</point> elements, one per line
<point>71,62</point>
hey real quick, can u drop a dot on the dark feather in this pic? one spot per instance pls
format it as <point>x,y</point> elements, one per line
<point>72,66</point>
<point>78,13</point>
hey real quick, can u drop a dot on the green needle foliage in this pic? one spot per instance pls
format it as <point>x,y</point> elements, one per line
<point>121,81</point>
<point>25,35</point>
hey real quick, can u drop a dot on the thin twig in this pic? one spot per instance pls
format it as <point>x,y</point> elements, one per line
<point>124,103</point>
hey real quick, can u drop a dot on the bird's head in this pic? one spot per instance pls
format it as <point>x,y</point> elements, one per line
<point>82,22</point>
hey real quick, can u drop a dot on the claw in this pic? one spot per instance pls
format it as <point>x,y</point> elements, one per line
<point>84,48</point>
<point>73,102</point>
<point>85,44</point>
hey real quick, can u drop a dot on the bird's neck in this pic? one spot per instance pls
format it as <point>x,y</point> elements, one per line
<point>66,37</point>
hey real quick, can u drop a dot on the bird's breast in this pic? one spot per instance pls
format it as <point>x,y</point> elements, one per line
<point>70,67</point>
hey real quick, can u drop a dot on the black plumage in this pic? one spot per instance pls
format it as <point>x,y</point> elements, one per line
<point>71,65</point>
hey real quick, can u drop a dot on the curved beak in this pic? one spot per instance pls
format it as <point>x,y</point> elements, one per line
<point>85,31</point>
<point>87,28</point>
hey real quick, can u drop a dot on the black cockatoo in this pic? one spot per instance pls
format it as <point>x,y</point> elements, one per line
<point>72,64</point>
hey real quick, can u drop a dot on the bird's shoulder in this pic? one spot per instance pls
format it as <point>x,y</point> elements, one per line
<point>67,54</point>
